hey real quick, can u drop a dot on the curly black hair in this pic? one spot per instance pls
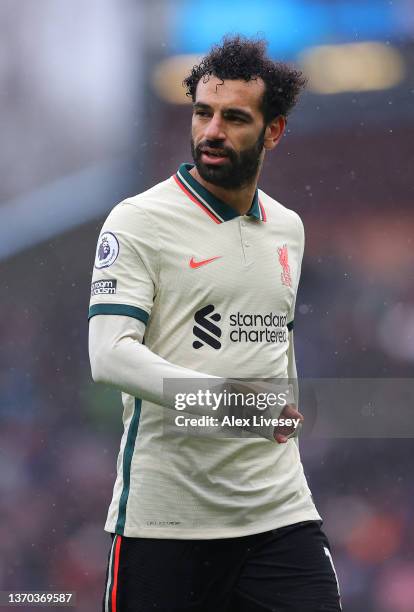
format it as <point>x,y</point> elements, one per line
<point>239,57</point>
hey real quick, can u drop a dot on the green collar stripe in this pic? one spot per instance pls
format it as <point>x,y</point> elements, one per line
<point>197,195</point>
<point>214,205</point>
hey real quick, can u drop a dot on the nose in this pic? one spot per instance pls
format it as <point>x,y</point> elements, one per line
<point>214,129</point>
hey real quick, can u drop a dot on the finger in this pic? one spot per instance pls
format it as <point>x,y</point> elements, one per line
<point>280,438</point>
<point>290,412</point>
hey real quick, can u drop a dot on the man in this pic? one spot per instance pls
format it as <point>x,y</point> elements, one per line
<point>204,267</point>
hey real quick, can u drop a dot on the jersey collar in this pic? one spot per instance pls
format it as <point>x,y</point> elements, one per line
<point>216,208</point>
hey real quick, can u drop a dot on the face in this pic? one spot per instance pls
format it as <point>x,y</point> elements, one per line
<point>228,131</point>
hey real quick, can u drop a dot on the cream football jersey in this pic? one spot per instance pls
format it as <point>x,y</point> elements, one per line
<point>216,291</point>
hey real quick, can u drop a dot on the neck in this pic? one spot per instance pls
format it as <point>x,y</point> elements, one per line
<point>239,199</point>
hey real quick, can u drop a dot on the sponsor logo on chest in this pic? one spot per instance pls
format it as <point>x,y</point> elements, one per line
<point>243,327</point>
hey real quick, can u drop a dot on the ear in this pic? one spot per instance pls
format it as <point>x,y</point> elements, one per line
<point>274,132</point>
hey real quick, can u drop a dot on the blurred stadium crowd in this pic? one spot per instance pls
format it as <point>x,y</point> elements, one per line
<point>345,166</point>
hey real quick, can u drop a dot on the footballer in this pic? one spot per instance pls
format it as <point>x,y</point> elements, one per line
<point>200,276</point>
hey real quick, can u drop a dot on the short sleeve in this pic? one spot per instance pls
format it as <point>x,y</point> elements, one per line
<point>301,243</point>
<point>125,273</point>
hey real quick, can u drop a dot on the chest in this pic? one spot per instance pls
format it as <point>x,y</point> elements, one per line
<point>243,261</point>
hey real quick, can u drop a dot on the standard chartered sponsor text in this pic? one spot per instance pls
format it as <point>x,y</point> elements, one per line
<point>248,327</point>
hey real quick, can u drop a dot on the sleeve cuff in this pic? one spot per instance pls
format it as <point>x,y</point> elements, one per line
<point>118,309</point>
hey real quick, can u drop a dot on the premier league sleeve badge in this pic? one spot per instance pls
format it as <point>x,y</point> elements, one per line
<point>107,250</point>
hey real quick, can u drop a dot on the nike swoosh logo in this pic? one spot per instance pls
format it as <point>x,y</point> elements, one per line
<point>197,264</point>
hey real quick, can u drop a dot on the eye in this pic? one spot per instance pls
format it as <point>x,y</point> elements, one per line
<point>201,113</point>
<point>236,119</point>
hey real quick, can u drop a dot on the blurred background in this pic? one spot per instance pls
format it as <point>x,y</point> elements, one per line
<point>92,111</point>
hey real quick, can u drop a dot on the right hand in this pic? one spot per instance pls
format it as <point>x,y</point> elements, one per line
<point>282,433</point>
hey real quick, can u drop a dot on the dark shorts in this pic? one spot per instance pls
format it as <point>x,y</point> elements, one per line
<point>283,570</point>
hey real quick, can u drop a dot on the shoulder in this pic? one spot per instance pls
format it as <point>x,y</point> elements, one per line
<point>143,207</point>
<point>160,203</point>
<point>278,213</point>
<point>154,198</point>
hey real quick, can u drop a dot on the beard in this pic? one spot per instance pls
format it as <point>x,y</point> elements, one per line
<point>240,168</point>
